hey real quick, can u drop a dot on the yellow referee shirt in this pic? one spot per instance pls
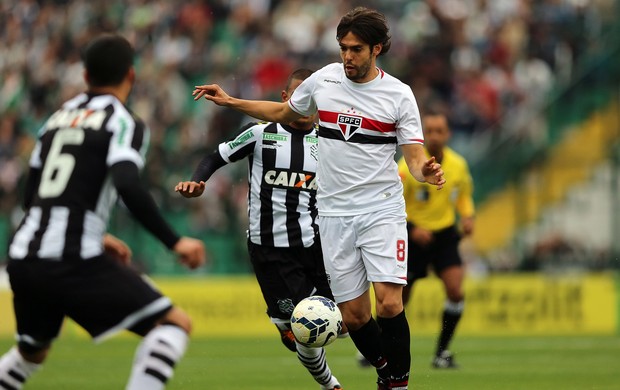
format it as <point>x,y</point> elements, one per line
<point>434,209</point>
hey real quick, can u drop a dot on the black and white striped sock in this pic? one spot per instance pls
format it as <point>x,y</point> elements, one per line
<point>315,362</point>
<point>156,357</point>
<point>14,370</point>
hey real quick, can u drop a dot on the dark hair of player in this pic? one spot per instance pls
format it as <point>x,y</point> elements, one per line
<point>107,60</point>
<point>368,25</point>
<point>299,74</point>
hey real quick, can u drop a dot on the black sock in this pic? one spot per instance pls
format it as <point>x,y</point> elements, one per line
<point>451,316</point>
<point>396,341</point>
<point>367,340</point>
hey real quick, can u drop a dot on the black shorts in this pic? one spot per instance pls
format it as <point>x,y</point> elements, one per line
<point>288,275</point>
<point>100,294</point>
<point>440,254</point>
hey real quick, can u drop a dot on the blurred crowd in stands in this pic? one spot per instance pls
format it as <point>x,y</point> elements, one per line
<point>485,63</point>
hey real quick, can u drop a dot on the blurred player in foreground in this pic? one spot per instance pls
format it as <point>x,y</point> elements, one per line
<point>283,240</point>
<point>433,232</point>
<point>61,262</point>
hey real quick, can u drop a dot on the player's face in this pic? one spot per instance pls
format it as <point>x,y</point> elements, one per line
<point>305,122</point>
<point>436,133</point>
<point>358,58</point>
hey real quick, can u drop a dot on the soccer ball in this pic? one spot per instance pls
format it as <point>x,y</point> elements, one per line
<point>316,321</point>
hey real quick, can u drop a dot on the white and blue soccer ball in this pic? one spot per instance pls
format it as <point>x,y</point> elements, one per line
<point>316,321</point>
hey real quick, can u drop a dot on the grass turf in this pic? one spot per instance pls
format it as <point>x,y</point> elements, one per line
<point>562,362</point>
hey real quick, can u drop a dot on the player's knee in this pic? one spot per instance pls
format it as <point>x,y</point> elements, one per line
<point>389,306</point>
<point>354,317</point>
<point>355,322</point>
<point>178,317</point>
<point>34,353</point>
<point>455,294</point>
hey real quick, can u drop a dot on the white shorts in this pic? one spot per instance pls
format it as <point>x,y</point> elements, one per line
<point>364,248</point>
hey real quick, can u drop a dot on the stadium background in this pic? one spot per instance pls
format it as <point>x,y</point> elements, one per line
<point>532,90</point>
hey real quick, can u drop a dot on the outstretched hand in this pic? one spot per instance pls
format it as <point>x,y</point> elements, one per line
<point>190,189</point>
<point>433,174</point>
<point>211,92</point>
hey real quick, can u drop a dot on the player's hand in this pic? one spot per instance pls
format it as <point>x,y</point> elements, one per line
<point>433,174</point>
<point>191,252</point>
<point>117,248</point>
<point>421,236</point>
<point>467,226</point>
<point>211,92</point>
<point>190,189</point>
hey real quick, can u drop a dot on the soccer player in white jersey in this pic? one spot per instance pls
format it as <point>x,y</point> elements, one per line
<point>61,262</point>
<point>363,114</point>
<point>283,240</point>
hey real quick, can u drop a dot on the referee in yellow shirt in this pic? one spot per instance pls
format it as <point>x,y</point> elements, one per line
<point>434,232</point>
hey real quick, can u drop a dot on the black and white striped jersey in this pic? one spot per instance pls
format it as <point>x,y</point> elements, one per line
<point>282,165</point>
<point>71,202</point>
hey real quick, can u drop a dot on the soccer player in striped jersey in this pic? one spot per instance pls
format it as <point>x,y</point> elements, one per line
<point>433,231</point>
<point>283,240</point>
<point>61,261</point>
<point>364,113</point>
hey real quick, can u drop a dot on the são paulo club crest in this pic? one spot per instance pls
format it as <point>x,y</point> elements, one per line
<point>349,124</point>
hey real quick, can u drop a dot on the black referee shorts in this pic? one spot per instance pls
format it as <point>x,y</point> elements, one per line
<point>440,254</point>
<point>100,294</point>
<point>288,275</point>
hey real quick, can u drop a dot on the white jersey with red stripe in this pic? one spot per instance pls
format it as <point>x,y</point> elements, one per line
<point>359,128</point>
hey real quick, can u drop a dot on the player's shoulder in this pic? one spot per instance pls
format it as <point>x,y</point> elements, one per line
<point>454,156</point>
<point>120,115</point>
<point>393,82</point>
<point>333,70</point>
<point>254,126</point>
<point>333,67</point>
<point>99,112</point>
<point>453,153</point>
<point>249,131</point>
<point>75,101</point>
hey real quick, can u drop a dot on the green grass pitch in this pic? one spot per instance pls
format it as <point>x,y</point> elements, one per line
<point>562,362</point>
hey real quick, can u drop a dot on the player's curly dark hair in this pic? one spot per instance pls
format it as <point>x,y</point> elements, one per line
<point>107,60</point>
<point>368,25</point>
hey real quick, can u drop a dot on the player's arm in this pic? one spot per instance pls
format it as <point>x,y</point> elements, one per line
<point>422,169</point>
<point>465,203</point>
<point>32,184</point>
<point>205,169</point>
<point>34,174</point>
<point>139,201</point>
<point>261,109</point>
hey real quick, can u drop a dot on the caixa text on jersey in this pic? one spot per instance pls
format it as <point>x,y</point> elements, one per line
<point>301,180</point>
